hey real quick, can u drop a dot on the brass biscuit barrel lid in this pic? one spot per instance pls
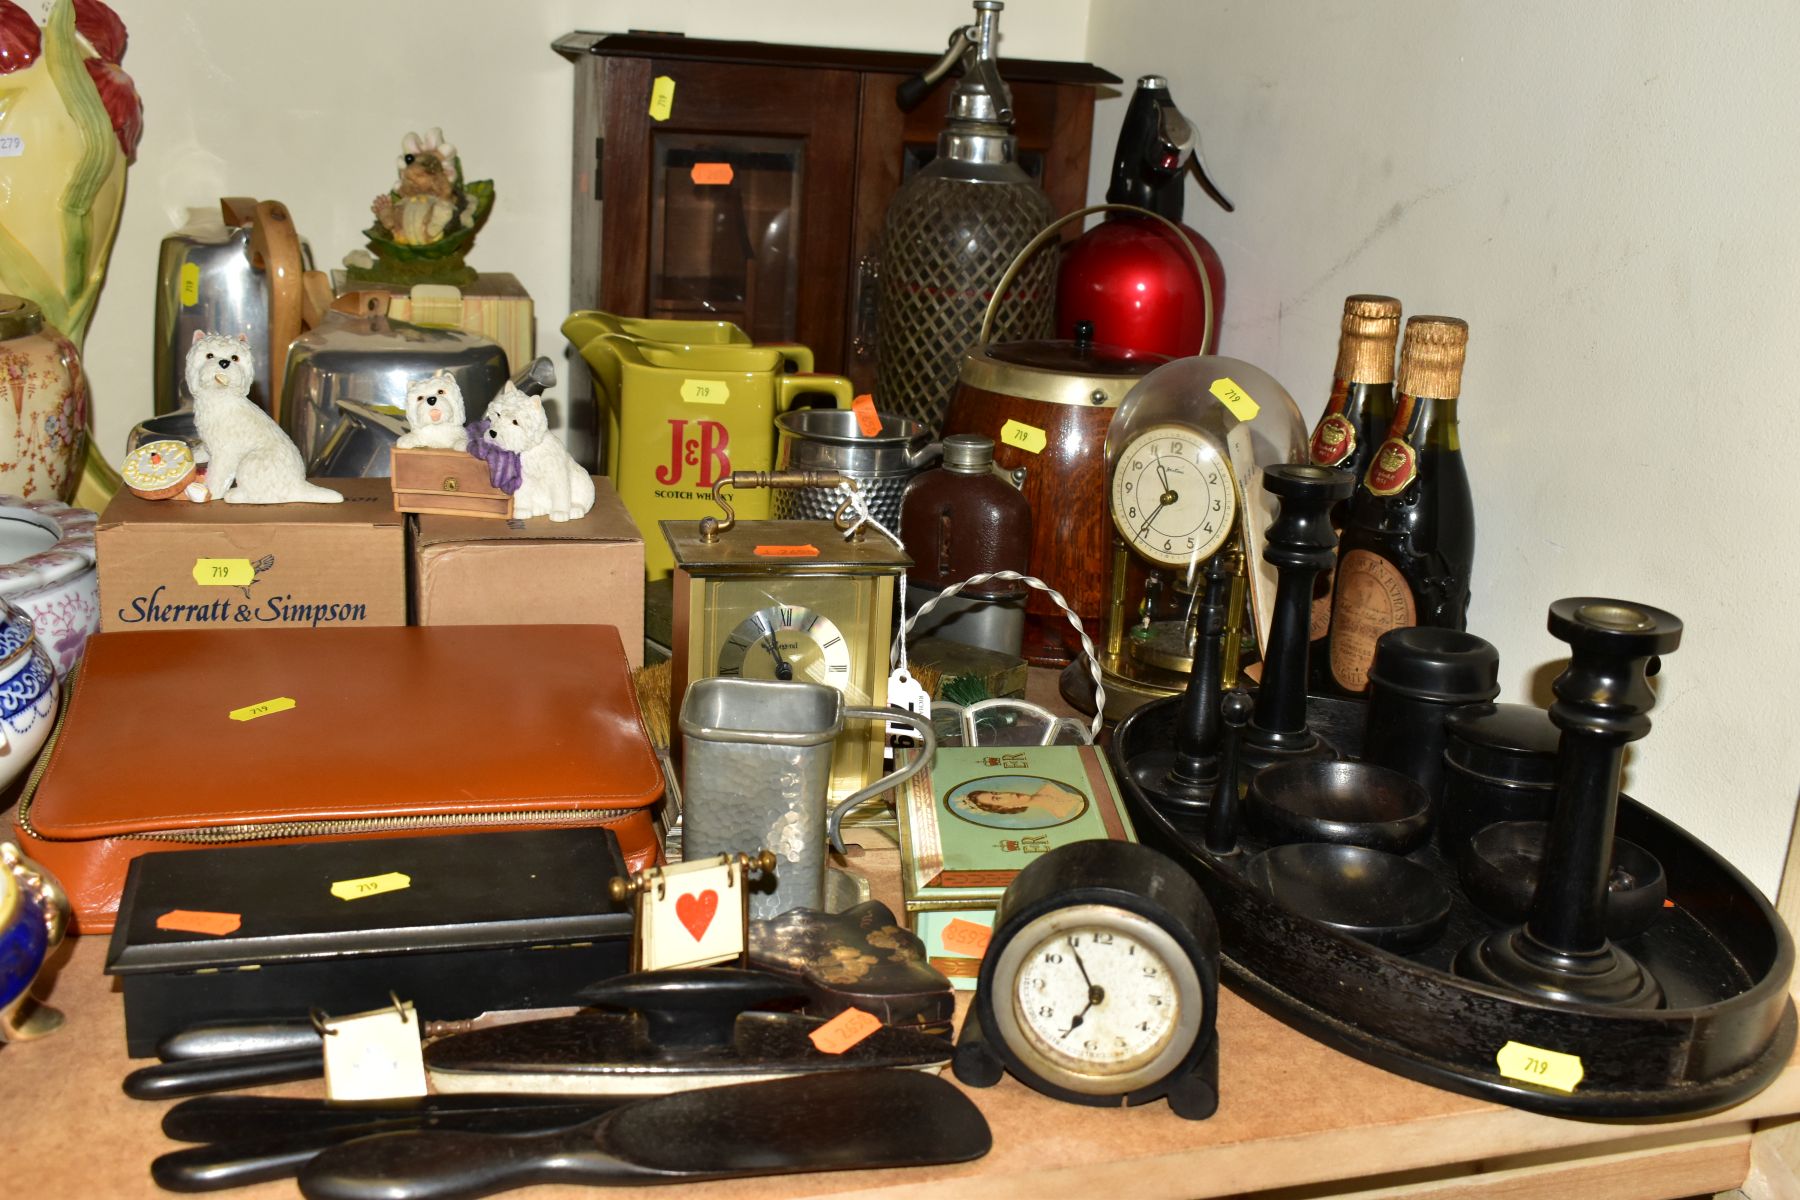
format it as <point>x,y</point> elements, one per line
<point>1078,371</point>
<point>1431,357</point>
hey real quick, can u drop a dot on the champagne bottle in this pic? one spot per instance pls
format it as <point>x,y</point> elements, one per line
<point>1357,415</point>
<point>1409,546</point>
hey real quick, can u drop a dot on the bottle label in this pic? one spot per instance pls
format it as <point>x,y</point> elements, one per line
<point>1370,597</point>
<point>1394,465</point>
<point>1321,617</point>
<point>1333,441</point>
<point>1335,438</point>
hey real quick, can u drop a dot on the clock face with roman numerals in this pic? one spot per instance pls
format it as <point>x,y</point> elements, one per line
<point>786,642</point>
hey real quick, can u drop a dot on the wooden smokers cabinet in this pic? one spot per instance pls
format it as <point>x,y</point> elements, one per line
<point>758,196</point>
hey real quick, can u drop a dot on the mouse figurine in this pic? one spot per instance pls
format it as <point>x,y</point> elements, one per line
<point>434,415</point>
<point>551,483</point>
<point>251,460</point>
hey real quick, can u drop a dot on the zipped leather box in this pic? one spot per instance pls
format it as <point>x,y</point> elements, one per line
<point>202,737</point>
<point>457,925</point>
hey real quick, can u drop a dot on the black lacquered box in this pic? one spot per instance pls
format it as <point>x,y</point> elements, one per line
<point>483,922</point>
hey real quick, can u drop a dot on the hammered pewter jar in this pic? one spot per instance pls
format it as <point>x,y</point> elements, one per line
<point>47,393</point>
<point>829,439</point>
<point>755,770</point>
<point>951,230</point>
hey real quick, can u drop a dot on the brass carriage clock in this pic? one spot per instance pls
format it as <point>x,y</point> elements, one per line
<point>790,600</point>
<point>1184,460</point>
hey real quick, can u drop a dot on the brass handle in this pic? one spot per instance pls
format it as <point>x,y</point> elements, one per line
<point>712,527</point>
<point>622,888</point>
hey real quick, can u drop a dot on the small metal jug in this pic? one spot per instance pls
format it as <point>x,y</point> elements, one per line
<point>826,439</point>
<point>756,758</point>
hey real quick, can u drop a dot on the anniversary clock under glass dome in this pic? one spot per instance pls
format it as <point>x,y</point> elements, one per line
<point>1184,462</point>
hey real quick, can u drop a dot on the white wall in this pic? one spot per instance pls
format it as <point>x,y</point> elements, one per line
<point>1605,191</point>
<point>306,103</point>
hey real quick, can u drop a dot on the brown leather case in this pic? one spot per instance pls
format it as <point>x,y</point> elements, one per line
<point>447,729</point>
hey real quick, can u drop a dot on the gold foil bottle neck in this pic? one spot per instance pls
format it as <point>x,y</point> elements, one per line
<point>1366,346</point>
<point>1431,357</point>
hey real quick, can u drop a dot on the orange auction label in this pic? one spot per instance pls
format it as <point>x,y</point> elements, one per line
<point>844,1031</point>
<point>787,552</point>
<point>966,938</point>
<point>1394,465</point>
<point>186,920</point>
<point>1369,597</point>
<point>867,419</point>
<point>710,174</point>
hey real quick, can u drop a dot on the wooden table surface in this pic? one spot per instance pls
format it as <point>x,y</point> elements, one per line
<point>1297,1120</point>
<point>1294,1115</point>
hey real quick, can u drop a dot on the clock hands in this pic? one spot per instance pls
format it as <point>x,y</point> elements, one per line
<point>1095,993</point>
<point>784,670</point>
<point>1169,496</point>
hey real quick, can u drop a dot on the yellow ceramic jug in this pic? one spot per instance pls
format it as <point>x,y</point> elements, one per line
<point>689,417</point>
<point>586,329</point>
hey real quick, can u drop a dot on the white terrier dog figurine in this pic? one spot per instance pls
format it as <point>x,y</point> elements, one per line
<point>252,461</point>
<point>434,415</point>
<point>552,485</point>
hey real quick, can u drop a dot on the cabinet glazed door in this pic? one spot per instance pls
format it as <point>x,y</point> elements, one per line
<point>733,208</point>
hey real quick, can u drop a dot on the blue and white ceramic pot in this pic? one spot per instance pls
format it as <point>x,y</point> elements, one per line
<point>47,571</point>
<point>28,694</point>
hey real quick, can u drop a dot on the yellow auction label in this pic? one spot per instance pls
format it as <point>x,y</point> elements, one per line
<point>223,572</point>
<point>252,711</point>
<point>370,885</point>
<point>662,98</point>
<point>1235,398</point>
<point>190,284</point>
<point>705,391</point>
<point>1532,1064</point>
<point>1028,438</point>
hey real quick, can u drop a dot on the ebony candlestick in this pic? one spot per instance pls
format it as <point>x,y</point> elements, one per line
<point>1603,699</point>
<point>1222,817</point>
<point>1189,779</point>
<point>1301,543</point>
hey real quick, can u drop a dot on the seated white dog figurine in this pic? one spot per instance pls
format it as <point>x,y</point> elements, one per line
<point>434,415</point>
<point>552,484</point>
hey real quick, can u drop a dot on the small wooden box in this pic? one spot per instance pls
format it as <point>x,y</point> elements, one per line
<point>452,483</point>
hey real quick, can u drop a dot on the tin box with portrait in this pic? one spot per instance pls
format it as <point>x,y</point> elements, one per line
<point>980,814</point>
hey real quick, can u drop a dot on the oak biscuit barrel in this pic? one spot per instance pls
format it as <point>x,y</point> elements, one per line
<point>1048,405</point>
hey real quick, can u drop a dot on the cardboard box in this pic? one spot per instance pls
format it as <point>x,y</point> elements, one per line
<point>269,565</point>
<point>473,571</point>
